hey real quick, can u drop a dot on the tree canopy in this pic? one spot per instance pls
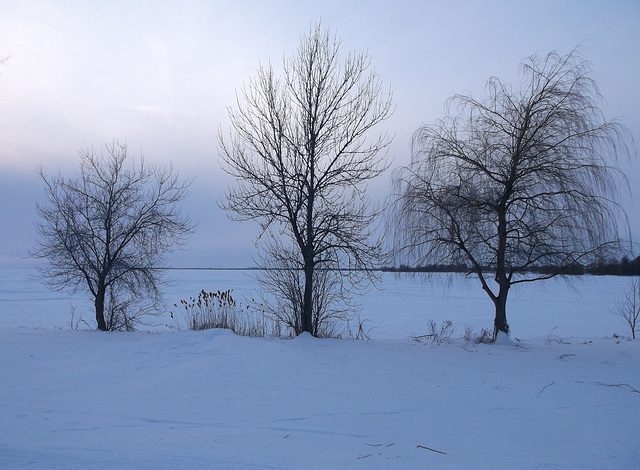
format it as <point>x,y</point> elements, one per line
<point>107,231</point>
<point>522,178</point>
<point>300,153</point>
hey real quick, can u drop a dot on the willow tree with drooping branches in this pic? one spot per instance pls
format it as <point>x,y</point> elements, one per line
<point>522,179</point>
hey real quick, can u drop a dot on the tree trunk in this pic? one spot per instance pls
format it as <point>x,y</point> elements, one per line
<point>500,321</point>
<point>504,281</point>
<point>308,255</point>
<point>307,307</point>
<point>99,303</point>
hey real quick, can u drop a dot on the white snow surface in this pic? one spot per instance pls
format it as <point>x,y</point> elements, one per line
<point>565,395</point>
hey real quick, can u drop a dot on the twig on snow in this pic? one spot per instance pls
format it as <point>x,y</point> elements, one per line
<point>618,386</point>
<point>432,450</point>
<point>418,338</point>
<point>545,387</point>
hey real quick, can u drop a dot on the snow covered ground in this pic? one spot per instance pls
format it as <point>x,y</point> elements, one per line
<point>568,396</point>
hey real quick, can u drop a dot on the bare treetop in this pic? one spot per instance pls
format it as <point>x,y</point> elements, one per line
<point>108,229</point>
<point>301,150</point>
<point>518,180</point>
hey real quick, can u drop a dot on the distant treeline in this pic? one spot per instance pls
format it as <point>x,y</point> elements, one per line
<point>428,268</point>
<point>624,267</point>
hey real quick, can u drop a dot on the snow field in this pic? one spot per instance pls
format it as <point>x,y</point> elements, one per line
<point>214,400</point>
<point>567,396</point>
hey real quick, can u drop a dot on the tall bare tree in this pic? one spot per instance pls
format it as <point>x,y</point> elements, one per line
<point>520,179</point>
<point>107,231</point>
<point>301,157</point>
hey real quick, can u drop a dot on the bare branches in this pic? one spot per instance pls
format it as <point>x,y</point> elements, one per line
<point>629,308</point>
<point>300,153</point>
<point>108,229</point>
<point>520,179</point>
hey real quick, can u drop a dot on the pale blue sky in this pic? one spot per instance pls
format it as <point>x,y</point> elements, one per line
<point>160,75</point>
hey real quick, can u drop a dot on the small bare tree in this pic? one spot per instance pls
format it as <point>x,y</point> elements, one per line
<point>301,158</point>
<point>629,308</point>
<point>107,231</point>
<point>519,180</point>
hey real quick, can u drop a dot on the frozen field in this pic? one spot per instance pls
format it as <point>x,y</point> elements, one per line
<point>568,396</point>
<point>401,308</point>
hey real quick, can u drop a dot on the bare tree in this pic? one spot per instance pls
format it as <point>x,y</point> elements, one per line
<point>519,180</point>
<point>107,231</point>
<point>283,276</point>
<point>301,158</point>
<point>629,308</point>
